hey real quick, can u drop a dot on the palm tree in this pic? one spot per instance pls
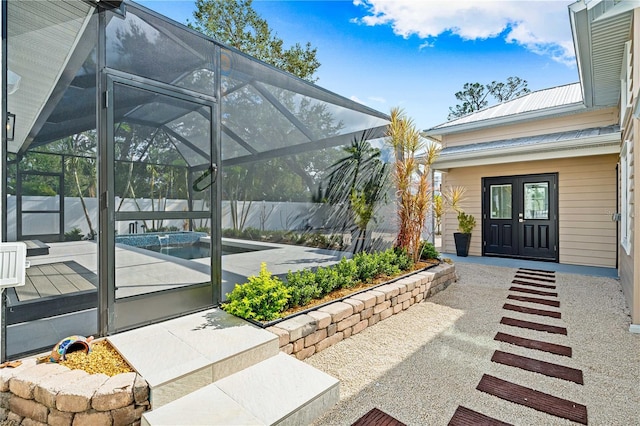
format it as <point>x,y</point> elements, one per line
<point>356,185</point>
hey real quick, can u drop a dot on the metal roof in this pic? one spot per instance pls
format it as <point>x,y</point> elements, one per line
<point>600,29</point>
<point>549,101</point>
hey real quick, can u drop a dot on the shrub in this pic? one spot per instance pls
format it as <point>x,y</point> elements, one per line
<point>327,279</point>
<point>302,288</point>
<point>74,235</point>
<point>466,222</point>
<point>386,262</point>
<point>428,251</point>
<point>348,272</point>
<point>366,266</point>
<point>262,298</point>
<point>403,260</point>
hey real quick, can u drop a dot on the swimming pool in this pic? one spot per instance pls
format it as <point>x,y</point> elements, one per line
<point>197,251</point>
<point>182,244</point>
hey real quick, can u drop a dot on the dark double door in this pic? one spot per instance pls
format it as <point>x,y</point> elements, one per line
<point>520,216</point>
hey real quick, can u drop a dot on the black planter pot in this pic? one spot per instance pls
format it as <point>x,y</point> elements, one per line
<point>463,241</point>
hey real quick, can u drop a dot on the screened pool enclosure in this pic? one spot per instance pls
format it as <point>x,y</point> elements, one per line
<point>150,168</point>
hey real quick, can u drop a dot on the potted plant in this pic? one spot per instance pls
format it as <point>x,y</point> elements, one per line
<point>466,223</point>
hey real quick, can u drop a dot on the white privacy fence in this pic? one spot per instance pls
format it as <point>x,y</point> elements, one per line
<point>264,215</point>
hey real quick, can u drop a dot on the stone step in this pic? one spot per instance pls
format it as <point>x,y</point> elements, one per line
<point>280,390</point>
<point>182,355</point>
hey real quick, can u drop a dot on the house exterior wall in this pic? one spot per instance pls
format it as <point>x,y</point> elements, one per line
<point>582,120</point>
<point>586,202</point>
<point>629,264</point>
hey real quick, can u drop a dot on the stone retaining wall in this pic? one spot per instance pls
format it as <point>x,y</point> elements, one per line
<point>53,394</point>
<point>312,332</point>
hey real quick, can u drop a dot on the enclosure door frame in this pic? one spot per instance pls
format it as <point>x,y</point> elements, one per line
<point>136,311</point>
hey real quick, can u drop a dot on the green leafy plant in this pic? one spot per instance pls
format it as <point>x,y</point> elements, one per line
<point>74,235</point>
<point>348,272</point>
<point>366,266</point>
<point>466,222</point>
<point>386,263</point>
<point>428,251</point>
<point>403,259</point>
<point>303,286</point>
<point>327,279</point>
<point>262,298</point>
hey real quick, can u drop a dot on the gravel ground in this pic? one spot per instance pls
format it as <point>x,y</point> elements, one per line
<point>420,365</point>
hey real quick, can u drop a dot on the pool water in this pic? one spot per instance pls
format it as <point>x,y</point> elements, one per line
<point>194,251</point>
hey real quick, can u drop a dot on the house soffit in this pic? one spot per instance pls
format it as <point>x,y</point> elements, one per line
<point>600,31</point>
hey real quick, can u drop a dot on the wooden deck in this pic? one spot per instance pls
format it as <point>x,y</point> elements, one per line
<point>52,289</point>
<point>36,248</point>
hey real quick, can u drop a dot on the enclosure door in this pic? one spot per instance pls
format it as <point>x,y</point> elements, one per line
<point>161,167</point>
<point>40,214</point>
<point>520,215</point>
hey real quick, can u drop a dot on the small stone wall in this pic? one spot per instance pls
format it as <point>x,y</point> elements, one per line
<point>55,395</point>
<point>314,331</point>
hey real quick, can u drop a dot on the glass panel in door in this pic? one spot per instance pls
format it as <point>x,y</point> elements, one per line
<point>536,200</point>
<point>161,257</point>
<point>501,201</point>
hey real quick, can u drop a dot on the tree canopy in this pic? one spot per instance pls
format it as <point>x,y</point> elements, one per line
<point>474,95</point>
<point>237,24</point>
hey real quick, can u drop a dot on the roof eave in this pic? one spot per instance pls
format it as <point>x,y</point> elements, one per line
<point>587,146</point>
<point>580,29</point>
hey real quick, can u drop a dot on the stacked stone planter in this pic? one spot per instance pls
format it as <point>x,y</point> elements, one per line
<point>53,394</point>
<point>306,334</point>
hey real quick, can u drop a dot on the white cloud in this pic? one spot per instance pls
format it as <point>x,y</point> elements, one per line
<point>377,99</point>
<point>541,26</point>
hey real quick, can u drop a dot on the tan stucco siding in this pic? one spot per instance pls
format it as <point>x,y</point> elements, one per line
<point>586,202</point>
<point>578,121</point>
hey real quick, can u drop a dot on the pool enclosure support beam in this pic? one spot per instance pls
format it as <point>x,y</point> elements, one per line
<point>3,171</point>
<point>216,188</point>
<point>375,133</point>
<point>106,275</point>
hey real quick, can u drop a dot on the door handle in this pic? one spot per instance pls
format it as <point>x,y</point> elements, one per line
<point>211,171</point>
<point>521,220</point>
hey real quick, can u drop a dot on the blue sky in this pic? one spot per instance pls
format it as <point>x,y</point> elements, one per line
<point>415,54</point>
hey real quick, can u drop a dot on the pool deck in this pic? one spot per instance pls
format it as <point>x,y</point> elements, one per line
<point>141,271</point>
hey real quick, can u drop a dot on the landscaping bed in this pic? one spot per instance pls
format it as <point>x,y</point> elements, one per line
<point>98,388</point>
<point>313,331</point>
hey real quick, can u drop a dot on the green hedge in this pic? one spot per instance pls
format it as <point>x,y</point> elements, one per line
<point>264,298</point>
